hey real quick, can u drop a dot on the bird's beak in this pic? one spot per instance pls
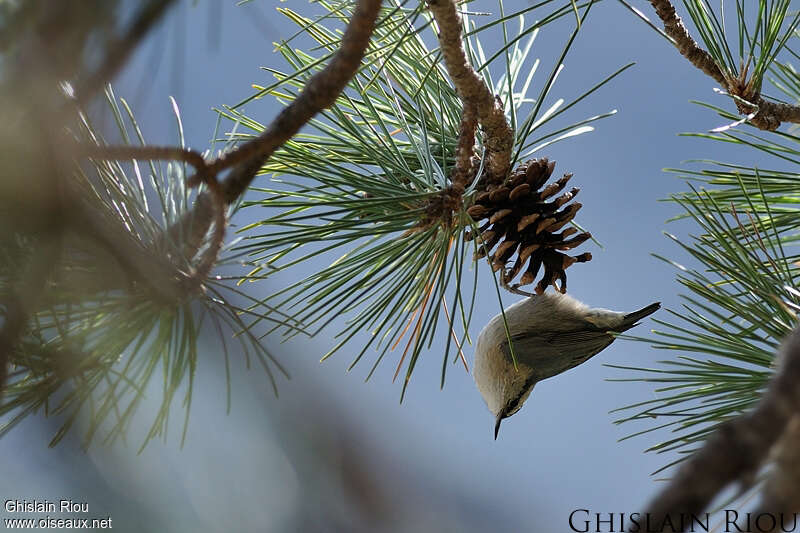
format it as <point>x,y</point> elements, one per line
<point>497,425</point>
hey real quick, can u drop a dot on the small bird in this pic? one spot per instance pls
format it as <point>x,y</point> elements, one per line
<point>551,333</point>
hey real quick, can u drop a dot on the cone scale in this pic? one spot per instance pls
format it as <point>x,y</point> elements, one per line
<point>524,217</point>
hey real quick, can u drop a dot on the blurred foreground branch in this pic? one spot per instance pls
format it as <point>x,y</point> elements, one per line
<point>739,447</point>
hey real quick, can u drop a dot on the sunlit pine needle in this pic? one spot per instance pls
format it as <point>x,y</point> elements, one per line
<point>418,327</point>
<point>455,339</point>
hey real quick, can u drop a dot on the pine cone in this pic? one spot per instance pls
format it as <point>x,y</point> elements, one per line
<point>522,221</point>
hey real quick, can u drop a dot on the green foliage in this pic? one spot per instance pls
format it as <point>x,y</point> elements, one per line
<point>758,41</point>
<point>363,184</point>
<point>100,341</point>
<point>742,296</point>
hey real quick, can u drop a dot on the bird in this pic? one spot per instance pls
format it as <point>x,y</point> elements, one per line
<point>550,333</point>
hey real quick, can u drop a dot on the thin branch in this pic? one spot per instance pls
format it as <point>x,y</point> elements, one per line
<point>211,254</point>
<point>319,93</point>
<point>473,91</point>
<point>148,153</point>
<point>129,255</point>
<point>673,26</point>
<point>450,199</point>
<point>736,450</point>
<point>464,169</point>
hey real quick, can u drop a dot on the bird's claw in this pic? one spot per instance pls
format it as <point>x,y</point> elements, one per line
<point>514,289</point>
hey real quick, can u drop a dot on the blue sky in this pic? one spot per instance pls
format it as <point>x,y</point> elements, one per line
<point>264,466</point>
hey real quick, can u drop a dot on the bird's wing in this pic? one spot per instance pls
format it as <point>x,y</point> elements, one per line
<point>552,353</point>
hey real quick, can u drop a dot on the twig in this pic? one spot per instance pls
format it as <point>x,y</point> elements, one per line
<point>738,447</point>
<point>441,207</point>
<point>194,238</point>
<point>164,153</point>
<point>23,298</point>
<point>320,92</point>
<point>464,169</point>
<point>673,26</point>
<point>209,258</point>
<point>498,136</point>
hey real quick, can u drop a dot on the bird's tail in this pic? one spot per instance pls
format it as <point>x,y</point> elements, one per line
<point>632,318</point>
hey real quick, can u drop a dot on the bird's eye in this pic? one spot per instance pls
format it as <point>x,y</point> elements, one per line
<point>512,409</point>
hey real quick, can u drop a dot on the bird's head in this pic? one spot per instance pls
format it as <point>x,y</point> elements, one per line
<point>513,402</point>
<point>503,387</point>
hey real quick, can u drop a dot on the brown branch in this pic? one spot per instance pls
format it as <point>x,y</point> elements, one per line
<point>319,93</point>
<point>499,138</point>
<point>441,207</point>
<point>147,153</point>
<point>158,274</point>
<point>209,206</point>
<point>771,114</point>
<point>736,450</point>
<point>673,26</point>
<point>781,492</point>
<point>209,258</point>
<point>134,258</point>
<point>464,169</point>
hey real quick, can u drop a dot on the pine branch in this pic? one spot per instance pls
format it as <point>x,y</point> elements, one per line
<point>688,47</point>
<point>150,153</point>
<point>770,114</point>
<point>473,91</point>
<point>464,170</point>
<point>213,207</point>
<point>319,93</point>
<point>766,115</point>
